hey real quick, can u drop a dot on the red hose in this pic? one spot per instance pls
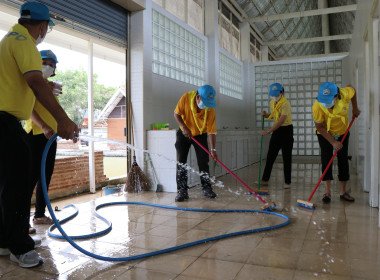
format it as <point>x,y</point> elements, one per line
<point>225,167</point>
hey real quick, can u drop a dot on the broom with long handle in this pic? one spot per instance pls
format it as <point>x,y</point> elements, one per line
<point>308,204</point>
<point>267,206</point>
<point>259,191</point>
<point>136,180</point>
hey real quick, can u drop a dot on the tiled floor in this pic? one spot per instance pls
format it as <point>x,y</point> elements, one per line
<point>340,240</point>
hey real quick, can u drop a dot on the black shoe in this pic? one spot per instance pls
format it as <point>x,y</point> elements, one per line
<point>208,193</point>
<point>182,195</point>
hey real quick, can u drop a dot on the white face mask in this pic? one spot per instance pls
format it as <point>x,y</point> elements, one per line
<point>40,39</point>
<point>328,105</point>
<point>47,71</point>
<point>276,98</point>
<point>201,105</point>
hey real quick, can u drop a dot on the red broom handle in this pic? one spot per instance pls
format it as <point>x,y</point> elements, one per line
<point>332,159</point>
<point>225,167</point>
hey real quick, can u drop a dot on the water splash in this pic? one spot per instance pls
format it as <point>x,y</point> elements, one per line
<point>90,138</point>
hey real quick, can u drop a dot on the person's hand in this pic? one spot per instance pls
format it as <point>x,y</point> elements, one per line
<point>186,131</point>
<point>56,87</point>
<point>337,145</point>
<point>356,112</point>
<point>263,113</point>
<point>67,128</point>
<point>48,132</point>
<point>214,156</point>
<point>264,132</point>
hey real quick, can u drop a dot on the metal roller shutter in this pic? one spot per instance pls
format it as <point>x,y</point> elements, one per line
<point>99,18</point>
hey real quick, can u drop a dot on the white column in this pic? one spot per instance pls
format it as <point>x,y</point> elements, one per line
<point>212,34</point>
<point>264,53</point>
<point>366,115</point>
<point>374,97</point>
<point>245,53</point>
<point>90,114</point>
<point>141,76</point>
<point>322,4</point>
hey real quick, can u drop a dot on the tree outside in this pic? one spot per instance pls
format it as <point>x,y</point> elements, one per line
<point>74,97</point>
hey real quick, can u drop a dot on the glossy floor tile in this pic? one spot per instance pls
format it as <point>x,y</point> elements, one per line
<point>340,240</point>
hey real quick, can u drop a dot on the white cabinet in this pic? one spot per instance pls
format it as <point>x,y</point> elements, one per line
<point>160,144</point>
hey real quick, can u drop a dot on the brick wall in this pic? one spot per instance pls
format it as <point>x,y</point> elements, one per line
<point>115,130</point>
<point>68,144</point>
<point>71,175</point>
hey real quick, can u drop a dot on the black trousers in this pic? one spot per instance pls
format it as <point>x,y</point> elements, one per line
<point>38,143</point>
<point>327,152</point>
<point>15,186</point>
<point>182,146</point>
<point>281,139</point>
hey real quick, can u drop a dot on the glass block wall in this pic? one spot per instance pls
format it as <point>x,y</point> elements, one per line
<point>231,77</point>
<point>177,53</point>
<point>301,81</point>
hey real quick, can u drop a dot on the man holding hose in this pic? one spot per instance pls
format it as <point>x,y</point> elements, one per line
<point>330,114</point>
<point>21,83</point>
<point>195,115</point>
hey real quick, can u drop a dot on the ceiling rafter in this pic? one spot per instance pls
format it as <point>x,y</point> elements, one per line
<point>308,40</point>
<point>236,6</point>
<point>293,28</point>
<point>325,11</point>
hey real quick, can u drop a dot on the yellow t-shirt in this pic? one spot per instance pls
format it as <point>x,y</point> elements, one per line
<point>285,109</point>
<point>184,109</point>
<point>18,55</point>
<point>341,108</point>
<point>44,115</point>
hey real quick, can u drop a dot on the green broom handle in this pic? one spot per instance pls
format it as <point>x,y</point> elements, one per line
<point>261,150</point>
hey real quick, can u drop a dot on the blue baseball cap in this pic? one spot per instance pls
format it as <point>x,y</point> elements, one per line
<point>35,10</point>
<point>207,94</point>
<point>48,54</point>
<point>275,89</point>
<point>327,92</point>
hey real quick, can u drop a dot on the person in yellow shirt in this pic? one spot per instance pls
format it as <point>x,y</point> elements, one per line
<point>282,137</point>
<point>21,82</point>
<point>330,114</point>
<point>40,128</point>
<point>195,115</point>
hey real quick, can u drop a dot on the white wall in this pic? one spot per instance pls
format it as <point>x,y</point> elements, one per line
<point>363,69</point>
<point>154,97</point>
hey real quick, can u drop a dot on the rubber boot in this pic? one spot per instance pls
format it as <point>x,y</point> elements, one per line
<point>208,192</point>
<point>182,195</point>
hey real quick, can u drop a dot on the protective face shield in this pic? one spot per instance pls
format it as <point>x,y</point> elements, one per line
<point>201,105</point>
<point>47,71</point>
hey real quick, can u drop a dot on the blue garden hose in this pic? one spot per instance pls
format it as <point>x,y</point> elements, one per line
<point>70,238</point>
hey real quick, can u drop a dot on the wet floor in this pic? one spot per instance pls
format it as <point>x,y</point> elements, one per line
<point>336,241</point>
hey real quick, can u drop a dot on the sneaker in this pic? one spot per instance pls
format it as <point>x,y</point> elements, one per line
<point>27,260</point>
<point>32,230</point>
<point>208,192</point>
<point>182,195</point>
<point>43,221</point>
<point>4,252</point>
<point>286,186</point>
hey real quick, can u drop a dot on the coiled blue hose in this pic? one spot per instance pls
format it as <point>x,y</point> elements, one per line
<point>70,238</point>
